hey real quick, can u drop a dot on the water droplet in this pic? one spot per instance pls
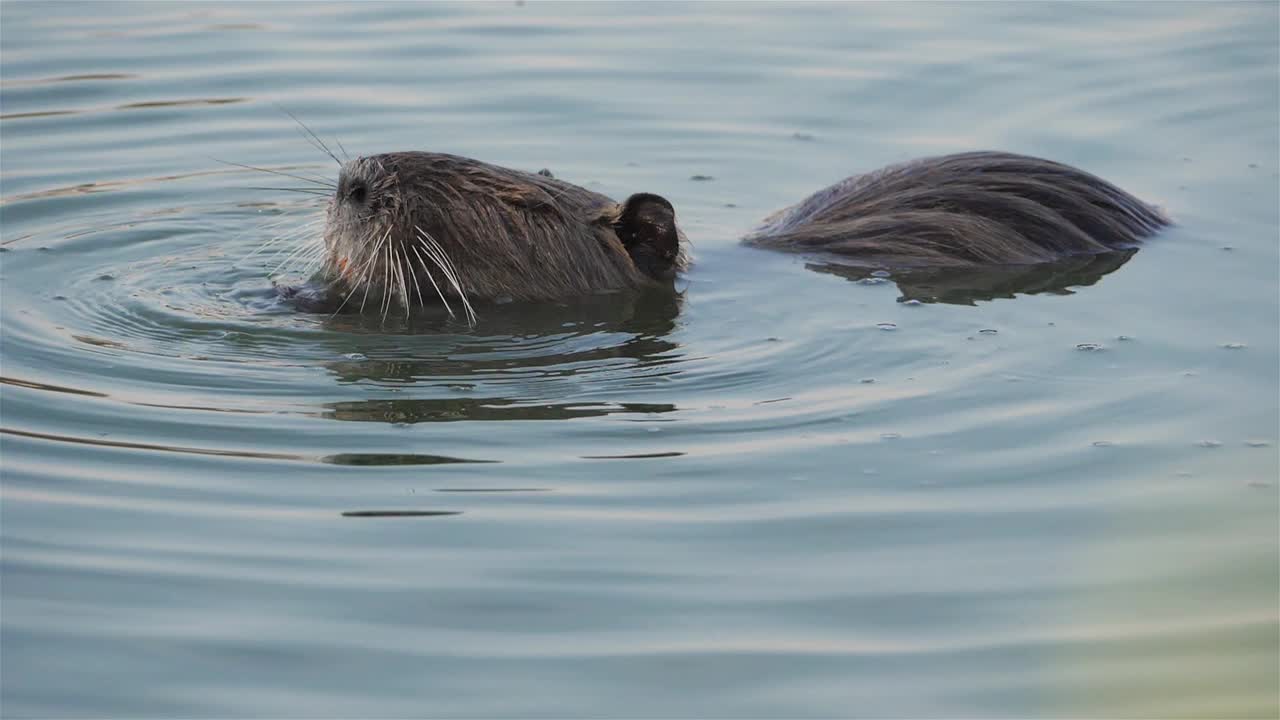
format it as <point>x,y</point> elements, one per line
<point>1232,346</point>
<point>880,273</point>
<point>867,381</point>
<point>1209,444</point>
<point>890,436</point>
<point>1089,347</point>
<point>356,356</point>
<point>988,331</point>
<point>887,326</point>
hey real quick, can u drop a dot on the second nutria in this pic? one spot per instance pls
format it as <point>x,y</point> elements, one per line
<point>414,228</point>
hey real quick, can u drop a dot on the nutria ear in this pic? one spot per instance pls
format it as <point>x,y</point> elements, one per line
<point>646,225</point>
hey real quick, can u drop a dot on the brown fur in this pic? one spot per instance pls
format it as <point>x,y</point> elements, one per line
<point>506,233</point>
<point>978,208</point>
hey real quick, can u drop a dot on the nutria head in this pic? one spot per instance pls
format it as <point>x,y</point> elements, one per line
<point>408,229</point>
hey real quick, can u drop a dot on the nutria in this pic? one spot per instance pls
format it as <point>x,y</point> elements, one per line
<point>416,226</point>
<point>409,228</point>
<point>969,209</point>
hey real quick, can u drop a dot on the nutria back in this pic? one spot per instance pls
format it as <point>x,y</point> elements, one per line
<point>967,209</point>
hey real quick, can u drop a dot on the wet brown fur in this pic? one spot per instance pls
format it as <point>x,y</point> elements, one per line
<point>974,208</point>
<point>508,233</point>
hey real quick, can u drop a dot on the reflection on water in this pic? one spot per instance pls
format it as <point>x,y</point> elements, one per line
<point>970,285</point>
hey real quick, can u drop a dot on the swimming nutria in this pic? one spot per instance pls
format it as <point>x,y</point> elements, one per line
<point>976,208</point>
<point>413,226</point>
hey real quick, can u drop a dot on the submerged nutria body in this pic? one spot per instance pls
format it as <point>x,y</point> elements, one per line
<point>977,208</point>
<point>414,228</point>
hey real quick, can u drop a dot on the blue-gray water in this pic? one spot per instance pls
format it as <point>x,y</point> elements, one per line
<point>752,501</point>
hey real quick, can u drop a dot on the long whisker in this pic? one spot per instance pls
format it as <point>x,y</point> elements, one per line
<point>318,193</point>
<point>432,278</point>
<point>362,276</point>
<point>455,278</point>
<point>314,136</point>
<point>303,178</point>
<point>386,282</point>
<point>413,275</point>
<point>436,252</point>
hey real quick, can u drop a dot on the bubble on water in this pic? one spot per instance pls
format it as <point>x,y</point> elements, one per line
<point>887,326</point>
<point>356,356</point>
<point>1209,444</point>
<point>1257,443</point>
<point>880,273</point>
<point>1103,443</point>
<point>1089,347</point>
<point>867,381</point>
<point>988,331</point>
<point>1124,338</point>
<point>890,436</point>
<point>1232,346</point>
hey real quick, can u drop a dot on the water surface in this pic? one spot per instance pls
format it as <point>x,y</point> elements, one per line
<point>792,490</point>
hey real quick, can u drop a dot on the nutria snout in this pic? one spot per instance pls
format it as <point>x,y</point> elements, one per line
<point>412,228</point>
<point>976,208</point>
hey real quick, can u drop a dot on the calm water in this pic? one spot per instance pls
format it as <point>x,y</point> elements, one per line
<point>785,493</point>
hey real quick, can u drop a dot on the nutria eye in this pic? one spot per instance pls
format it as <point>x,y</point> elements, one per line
<point>358,193</point>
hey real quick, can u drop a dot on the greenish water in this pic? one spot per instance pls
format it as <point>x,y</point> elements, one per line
<point>784,493</point>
